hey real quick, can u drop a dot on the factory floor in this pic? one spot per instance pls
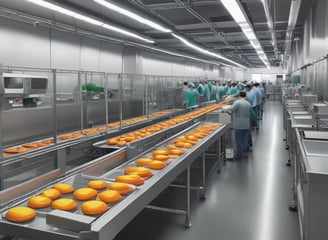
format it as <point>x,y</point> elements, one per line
<point>248,200</point>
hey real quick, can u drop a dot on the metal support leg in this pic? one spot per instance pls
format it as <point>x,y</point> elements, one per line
<point>293,203</point>
<point>203,189</point>
<point>187,220</point>
<point>218,151</point>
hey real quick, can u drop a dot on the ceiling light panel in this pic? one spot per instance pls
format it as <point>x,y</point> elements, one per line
<point>237,13</point>
<point>204,51</point>
<point>87,19</point>
<point>133,16</point>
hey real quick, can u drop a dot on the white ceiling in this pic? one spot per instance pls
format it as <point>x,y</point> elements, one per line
<point>203,22</point>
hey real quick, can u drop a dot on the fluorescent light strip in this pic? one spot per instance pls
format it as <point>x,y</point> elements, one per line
<point>238,15</point>
<point>204,51</point>
<point>132,15</point>
<point>293,14</point>
<point>183,56</point>
<point>84,18</point>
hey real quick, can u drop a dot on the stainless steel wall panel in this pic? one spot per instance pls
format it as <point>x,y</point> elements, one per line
<point>68,117</point>
<point>311,50</point>
<point>26,125</point>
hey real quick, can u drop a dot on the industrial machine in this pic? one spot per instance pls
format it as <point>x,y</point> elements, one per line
<point>21,90</point>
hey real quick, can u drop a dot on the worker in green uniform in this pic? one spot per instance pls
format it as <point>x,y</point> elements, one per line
<point>185,94</point>
<point>193,96</point>
<point>233,90</point>
<point>207,92</point>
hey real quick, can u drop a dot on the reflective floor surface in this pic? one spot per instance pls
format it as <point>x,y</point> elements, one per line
<point>248,200</point>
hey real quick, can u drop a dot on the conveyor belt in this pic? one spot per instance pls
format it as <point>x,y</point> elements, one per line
<point>110,223</point>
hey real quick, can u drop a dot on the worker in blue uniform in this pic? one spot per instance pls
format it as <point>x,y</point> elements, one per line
<point>241,123</point>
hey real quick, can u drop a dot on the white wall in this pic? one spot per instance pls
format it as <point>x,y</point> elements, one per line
<point>273,72</point>
<point>24,45</point>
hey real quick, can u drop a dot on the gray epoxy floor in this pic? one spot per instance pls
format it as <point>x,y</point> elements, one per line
<point>248,200</point>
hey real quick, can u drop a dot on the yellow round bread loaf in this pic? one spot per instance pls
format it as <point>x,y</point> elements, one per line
<point>130,179</point>
<point>176,151</point>
<point>51,193</point>
<point>156,165</point>
<point>20,214</point>
<point>160,152</point>
<point>94,207</point>
<point>122,188</point>
<point>64,188</point>
<point>141,171</point>
<point>161,157</point>
<point>85,193</point>
<point>39,202</point>
<point>110,196</point>
<point>143,161</point>
<point>97,184</point>
<point>65,204</point>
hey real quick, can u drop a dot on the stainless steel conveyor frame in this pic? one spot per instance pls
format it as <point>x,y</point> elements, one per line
<point>59,152</point>
<point>109,224</point>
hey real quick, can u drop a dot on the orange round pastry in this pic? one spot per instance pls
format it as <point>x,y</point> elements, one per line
<point>141,171</point>
<point>41,144</point>
<point>122,188</point>
<point>172,156</point>
<point>85,193</point>
<point>130,179</point>
<point>176,151</point>
<point>143,161</point>
<point>179,144</point>
<point>64,188</point>
<point>169,147</point>
<point>156,165</point>
<point>160,152</point>
<point>11,150</point>
<point>121,143</point>
<point>112,141</point>
<point>94,207</point>
<point>22,149</point>
<point>20,214</point>
<point>65,204</point>
<point>187,145</point>
<point>110,196</point>
<point>47,141</point>
<point>51,193</point>
<point>30,145</point>
<point>161,157</point>
<point>97,184</point>
<point>39,202</point>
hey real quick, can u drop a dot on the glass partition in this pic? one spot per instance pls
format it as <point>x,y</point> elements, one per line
<point>133,98</point>
<point>69,109</point>
<point>27,113</point>
<point>114,103</point>
<point>94,87</point>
